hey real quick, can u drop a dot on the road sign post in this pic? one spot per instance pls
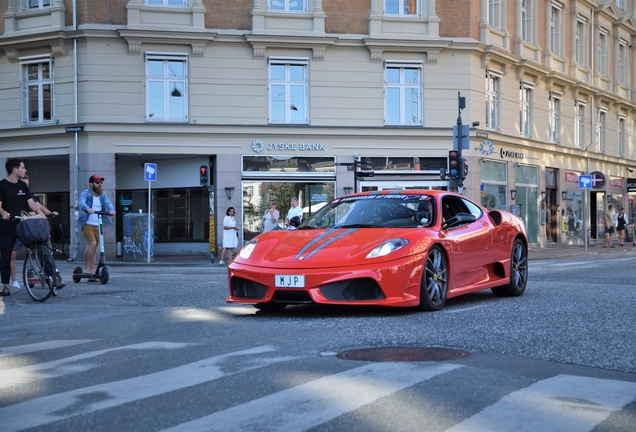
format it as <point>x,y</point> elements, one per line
<point>586,182</point>
<point>150,175</point>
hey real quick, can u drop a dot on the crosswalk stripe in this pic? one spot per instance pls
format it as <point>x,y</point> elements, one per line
<point>316,402</point>
<point>54,368</point>
<point>41,346</point>
<point>562,403</point>
<point>47,409</point>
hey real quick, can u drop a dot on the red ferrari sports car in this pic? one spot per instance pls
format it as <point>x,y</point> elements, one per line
<point>409,248</point>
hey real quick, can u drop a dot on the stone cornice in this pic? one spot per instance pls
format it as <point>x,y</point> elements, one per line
<point>317,44</point>
<point>136,38</point>
<point>55,40</point>
<point>432,48</point>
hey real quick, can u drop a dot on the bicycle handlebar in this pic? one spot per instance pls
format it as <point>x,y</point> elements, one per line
<point>16,217</point>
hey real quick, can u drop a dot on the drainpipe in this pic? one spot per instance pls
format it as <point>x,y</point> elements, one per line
<point>76,143</point>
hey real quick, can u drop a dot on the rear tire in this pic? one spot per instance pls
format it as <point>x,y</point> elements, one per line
<point>434,286</point>
<point>103,275</point>
<point>76,271</point>
<point>66,247</point>
<point>518,272</point>
<point>37,283</point>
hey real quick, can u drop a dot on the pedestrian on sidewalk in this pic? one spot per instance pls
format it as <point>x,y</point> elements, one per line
<point>621,223</point>
<point>230,236</point>
<point>608,220</point>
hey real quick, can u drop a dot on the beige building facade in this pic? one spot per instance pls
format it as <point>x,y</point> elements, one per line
<point>282,98</point>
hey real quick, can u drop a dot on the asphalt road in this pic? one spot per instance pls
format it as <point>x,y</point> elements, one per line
<point>158,348</point>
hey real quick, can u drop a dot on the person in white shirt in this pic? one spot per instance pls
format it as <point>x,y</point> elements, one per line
<point>294,210</point>
<point>270,218</point>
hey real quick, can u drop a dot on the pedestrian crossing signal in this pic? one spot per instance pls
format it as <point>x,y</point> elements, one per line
<point>203,175</point>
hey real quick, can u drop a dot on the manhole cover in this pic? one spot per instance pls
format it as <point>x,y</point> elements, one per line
<point>403,354</point>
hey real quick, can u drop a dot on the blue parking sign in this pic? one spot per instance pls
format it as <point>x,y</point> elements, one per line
<point>150,172</point>
<point>585,182</point>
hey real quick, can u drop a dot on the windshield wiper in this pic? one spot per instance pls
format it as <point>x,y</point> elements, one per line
<point>358,225</point>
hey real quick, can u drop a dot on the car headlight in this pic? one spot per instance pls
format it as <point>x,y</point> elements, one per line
<point>246,251</point>
<point>388,247</point>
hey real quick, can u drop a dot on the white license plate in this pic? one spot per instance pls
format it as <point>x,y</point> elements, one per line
<point>290,281</point>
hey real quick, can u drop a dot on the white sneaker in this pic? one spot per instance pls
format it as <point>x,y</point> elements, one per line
<point>15,286</point>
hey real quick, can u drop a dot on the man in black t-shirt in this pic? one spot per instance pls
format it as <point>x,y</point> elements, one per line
<point>15,197</point>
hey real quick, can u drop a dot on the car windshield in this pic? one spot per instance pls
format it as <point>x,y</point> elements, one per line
<point>373,211</point>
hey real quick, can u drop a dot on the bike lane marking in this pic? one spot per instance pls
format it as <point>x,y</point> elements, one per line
<point>61,367</point>
<point>562,403</point>
<point>41,346</point>
<point>316,402</point>
<point>47,409</point>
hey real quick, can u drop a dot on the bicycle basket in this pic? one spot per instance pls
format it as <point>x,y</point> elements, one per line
<point>34,230</point>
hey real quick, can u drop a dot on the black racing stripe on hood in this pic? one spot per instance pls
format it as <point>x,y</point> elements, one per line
<point>314,241</point>
<point>331,240</point>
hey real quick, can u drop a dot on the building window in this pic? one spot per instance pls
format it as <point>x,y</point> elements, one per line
<point>526,21</point>
<point>580,42</point>
<point>166,88</point>
<point>621,135</point>
<point>601,127</point>
<point>288,5</point>
<point>494,14</point>
<point>556,30</point>
<point>579,123</point>
<point>493,95</point>
<point>288,91</point>
<point>37,90</point>
<point>620,4</point>
<point>603,40</point>
<point>525,97</point>
<point>621,70</point>
<point>171,3</point>
<point>36,4</point>
<point>402,7</point>
<point>555,117</point>
<point>494,177</point>
<point>403,91</point>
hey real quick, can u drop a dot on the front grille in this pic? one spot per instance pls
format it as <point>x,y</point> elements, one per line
<point>244,288</point>
<point>354,290</point>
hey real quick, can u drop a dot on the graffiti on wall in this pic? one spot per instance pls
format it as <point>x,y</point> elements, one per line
<point>138,238</point>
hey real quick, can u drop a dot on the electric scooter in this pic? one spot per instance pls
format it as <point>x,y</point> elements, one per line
<point>101,271</point>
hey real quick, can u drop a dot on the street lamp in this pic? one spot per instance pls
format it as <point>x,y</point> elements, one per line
<point>564,195</point>
<point>347,190</point>
<point>609,198</point>
<point>229,191</point>
<point>542,195</point>
<point>513,194</point>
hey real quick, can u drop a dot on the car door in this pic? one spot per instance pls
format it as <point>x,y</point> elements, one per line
<point>470,243</point>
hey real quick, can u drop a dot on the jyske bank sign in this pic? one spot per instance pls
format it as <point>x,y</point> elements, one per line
<point>258,146</point>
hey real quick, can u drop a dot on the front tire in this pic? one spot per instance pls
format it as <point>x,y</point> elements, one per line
<point>103,275</point>
<point>77,271</point>
<point>434,286</point>
<point>518,272</point>
<point>37,283</point>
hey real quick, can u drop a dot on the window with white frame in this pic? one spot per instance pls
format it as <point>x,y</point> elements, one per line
<point>288,90</point>
<point>526,21</point>
<point>580,42</point>
<point>620,4</point>
<point>632,150</point>
<point>601,127</point>
<point>621,135</point>
<point>36,4</point>
<point>170,3</point>
<point>556,26</point>
<point>37,90</point>
<point>166,87</point>
<point>579,123</point>
<point>621,72</point>
<point>603,46</point>
<point>493,99</point>
<point>494,14</point>
<point>555,117</point>
<point>525,98</point>
<point>288,5</point>
<point>403,93</point>
<point>402,7</point>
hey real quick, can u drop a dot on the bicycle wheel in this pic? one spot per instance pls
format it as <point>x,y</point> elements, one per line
<point>37,283</point>
<point>66,247</point>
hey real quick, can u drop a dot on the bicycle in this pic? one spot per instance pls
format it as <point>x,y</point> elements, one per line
<point>39,272</point>
<point>62,243</point>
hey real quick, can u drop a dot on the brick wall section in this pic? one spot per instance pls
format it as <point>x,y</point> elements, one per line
<point>229,14</point>
<point>346,17</point>
<point>456,18</point>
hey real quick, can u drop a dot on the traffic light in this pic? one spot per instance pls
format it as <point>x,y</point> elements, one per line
<point>203,175</point>
<point>463,164</point>
<point>454,166</point>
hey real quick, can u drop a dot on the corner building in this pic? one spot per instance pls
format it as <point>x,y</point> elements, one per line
<point>280,98</point>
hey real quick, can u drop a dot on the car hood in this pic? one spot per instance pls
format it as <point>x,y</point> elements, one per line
<point>332,247</point>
